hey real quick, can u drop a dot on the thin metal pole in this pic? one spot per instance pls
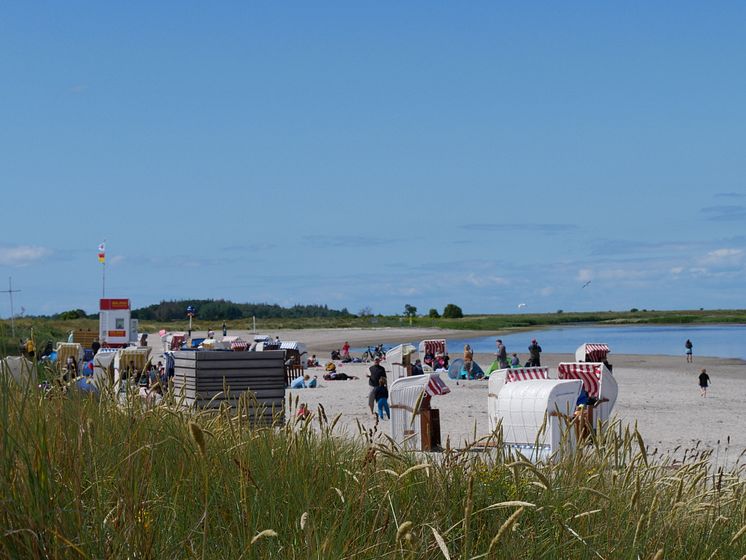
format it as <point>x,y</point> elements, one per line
<point>103,290</point>
<point>10,291</point>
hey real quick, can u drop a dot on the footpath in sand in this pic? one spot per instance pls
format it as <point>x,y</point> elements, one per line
<point>659,393</point>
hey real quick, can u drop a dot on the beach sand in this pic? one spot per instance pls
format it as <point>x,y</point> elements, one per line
<point>658,393</point>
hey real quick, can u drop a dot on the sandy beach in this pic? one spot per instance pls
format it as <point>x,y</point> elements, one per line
<point>659,393</point>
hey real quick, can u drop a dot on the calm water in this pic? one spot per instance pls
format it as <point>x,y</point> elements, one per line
<point>722,341</point>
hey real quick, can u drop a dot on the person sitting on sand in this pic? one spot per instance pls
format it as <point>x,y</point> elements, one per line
<point>312,361</point>
<point>336,355</point>
<point>341,376</point>
<point>515,361</point>
<point>417,368</point>
<point>381,395</point>
<point>430,359</point>
<point>298,382</point>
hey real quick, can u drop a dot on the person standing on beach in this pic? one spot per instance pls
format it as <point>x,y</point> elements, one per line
<point>376,371</point>
<point>704,382</point>
<point>689,346</point>
<point>346,350</point>
<point>468,358</point>
<point>534,351</point>
<point>225,329</point>
<point>502,354</point>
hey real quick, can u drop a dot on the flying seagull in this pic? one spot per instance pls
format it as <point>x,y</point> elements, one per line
<point>586,284</point>
<point>521,305</point>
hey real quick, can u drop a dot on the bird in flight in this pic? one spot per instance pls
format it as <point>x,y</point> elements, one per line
<point>586,284</point>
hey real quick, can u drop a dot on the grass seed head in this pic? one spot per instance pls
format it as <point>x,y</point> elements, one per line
<point>404,530</point>
<point>198,436</point>
<point>267,533</point>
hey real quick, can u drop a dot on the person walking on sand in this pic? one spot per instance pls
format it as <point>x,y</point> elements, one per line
<point>381,394</point>
<point>704,382</point>
<point>502,354</point>
<point>534,351</point>
<point>376,372</point>
<point>689,346</point>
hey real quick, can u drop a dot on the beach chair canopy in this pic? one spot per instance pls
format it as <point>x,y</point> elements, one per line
<point>434,346</point>
<point>396,358</point>
<point>405,393</point>
<point>173,340</point>
<point>67,349</point>
<point>598,382</point>
<point>261,338</point>
<point>526,374</point>
<point>19,368</point>
<point>293,345</point>
<point>500,377</point>
<point>523,408</point>
<point>591,352</point>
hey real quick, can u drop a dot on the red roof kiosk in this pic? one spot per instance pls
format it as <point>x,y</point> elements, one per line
<point>116,328</point>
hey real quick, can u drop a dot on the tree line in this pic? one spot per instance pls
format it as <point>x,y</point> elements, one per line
<point>211,310</point>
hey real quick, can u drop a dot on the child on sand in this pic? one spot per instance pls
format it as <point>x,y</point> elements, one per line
<point>381,395</point>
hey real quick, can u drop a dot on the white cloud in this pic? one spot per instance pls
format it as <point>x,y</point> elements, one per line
<point>116,259</point>
<point>22,255</point>
<point>585,274</point>
<point>547,291</point>
<point>677,270</point>
<point>724,256</point>
<point>487,280</point>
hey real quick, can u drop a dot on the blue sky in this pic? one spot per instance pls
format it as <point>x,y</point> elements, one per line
<point>374,154</point>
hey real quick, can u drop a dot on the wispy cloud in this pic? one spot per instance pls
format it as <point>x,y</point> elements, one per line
<point>725,256</point>
<point>347,241</point>
<point>250,247</point>
<point>725,213</point>
<point>538,228</point>
<point>627,246</point>
<point>730,195</point>
<point>78,88</point>
<point>22,255</point>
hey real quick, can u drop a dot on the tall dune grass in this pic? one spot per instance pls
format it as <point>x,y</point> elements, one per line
<point>84,478</point>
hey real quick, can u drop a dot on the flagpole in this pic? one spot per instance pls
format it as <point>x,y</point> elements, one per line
<point>103,280</point>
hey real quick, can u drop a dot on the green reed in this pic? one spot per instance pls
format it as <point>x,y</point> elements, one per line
<point>84,477</point>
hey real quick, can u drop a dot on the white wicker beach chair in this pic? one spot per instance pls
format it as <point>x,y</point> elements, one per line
<point>405,393</point>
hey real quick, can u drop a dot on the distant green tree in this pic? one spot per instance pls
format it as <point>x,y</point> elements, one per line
<point>72,314</point>
<point>452,311</point>
<point>410,311</point>
<point>433,313</point>
<point>634,310</point>
<point>365,312</point>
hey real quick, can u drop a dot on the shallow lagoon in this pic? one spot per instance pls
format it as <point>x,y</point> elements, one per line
<point>721,341</point>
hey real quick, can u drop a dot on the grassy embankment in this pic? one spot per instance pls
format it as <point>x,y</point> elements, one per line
<point>56,330</point>
<point>81,478</point>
